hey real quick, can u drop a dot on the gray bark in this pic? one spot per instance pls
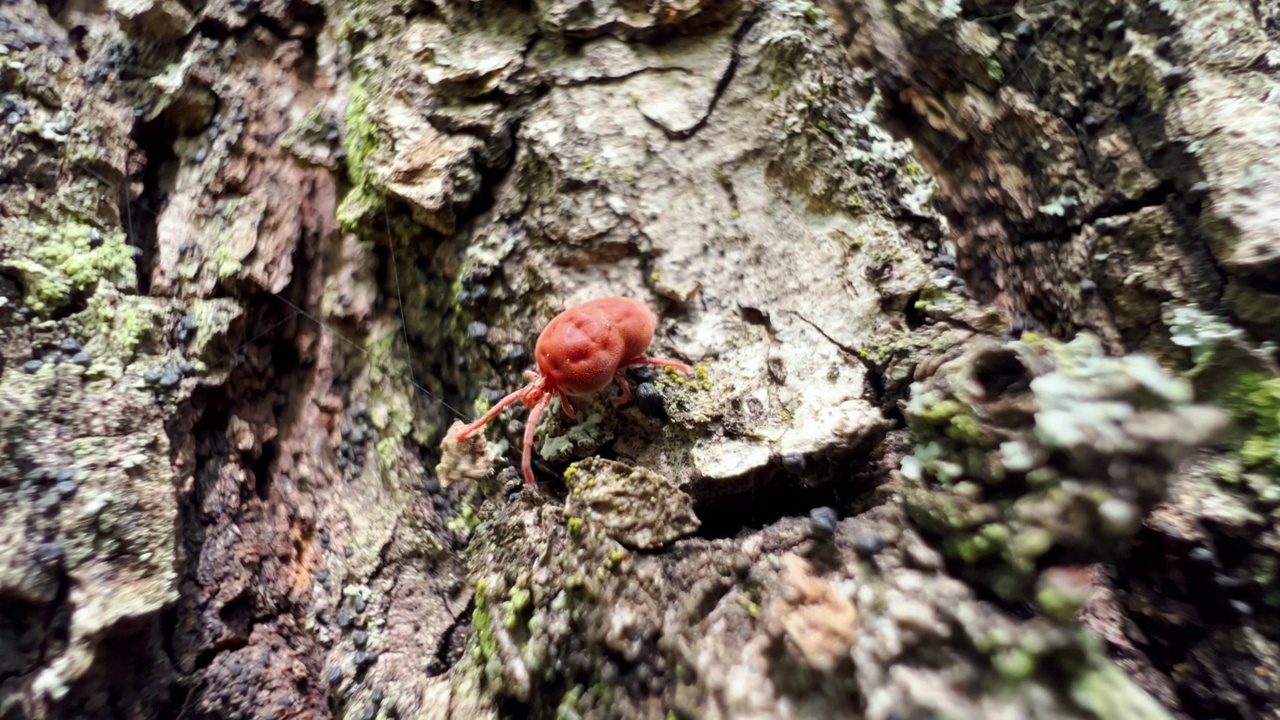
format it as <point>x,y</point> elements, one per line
<point>984,422</point>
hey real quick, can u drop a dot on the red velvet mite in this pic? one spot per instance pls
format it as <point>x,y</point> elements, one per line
<point>579,352</point>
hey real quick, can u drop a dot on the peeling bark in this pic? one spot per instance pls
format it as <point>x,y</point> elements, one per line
<point>983,421</point>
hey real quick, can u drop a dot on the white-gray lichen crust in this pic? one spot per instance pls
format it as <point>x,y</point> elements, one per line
<point>635,506</point>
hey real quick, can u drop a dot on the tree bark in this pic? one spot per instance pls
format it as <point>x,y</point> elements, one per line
<point>985,414</point>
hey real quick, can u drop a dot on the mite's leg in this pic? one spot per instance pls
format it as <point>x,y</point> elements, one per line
<point>565,406</point>
<point>530,426</point>
<point>645,360</point>
<point>626,389</point>
<point>493,412</point>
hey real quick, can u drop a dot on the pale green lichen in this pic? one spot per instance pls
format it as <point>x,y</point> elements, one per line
<point>466,519</point>
<point>1243,383</point>
<point>307,138</point>
<point>584,436</point>
<point>57,259</point>
<point>390,406</point>
<point>1105,691</point>
<point>633,505</point>
<point>121,322</point>
<point>212,319</point>
<point>1004,481</point>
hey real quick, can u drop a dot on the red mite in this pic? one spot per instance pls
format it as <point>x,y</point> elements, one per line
<point>578,353</point>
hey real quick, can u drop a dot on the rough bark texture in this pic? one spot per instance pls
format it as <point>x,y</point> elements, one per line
<point>981,299</point>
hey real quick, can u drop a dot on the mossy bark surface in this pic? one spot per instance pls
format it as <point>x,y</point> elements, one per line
<point>984,419</point>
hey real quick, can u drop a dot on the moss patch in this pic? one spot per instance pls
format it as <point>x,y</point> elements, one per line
<point>360,140</point>
<point>1255,404</point>
<point>56,260</point>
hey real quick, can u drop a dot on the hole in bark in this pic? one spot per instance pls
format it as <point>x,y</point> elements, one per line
<point>75,303</point>
<point>168,632</point>
<point>773,496</point>
<point>452,644</point>
<point>1001,372</point>
<point>912,314</point>
<point>24,634</point>
<point>76,34</point>
<point>284,358</point>
<point>512,709</point>
<point>262,470</point>
<point>155,140</point>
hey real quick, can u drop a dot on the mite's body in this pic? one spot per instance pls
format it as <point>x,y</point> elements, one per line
<point>578,353</point>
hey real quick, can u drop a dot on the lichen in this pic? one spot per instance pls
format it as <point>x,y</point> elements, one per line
<point>466,519</point>
<point>1226,369</point>
<point>119,326</point>
<point>390,396</point>
<point>56,259</point>
<point>1017,446</point>
<point>632,505</point>
<point>211,320</point>
<point>1106,692</point>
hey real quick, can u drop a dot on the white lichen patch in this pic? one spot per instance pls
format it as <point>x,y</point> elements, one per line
<point>462,461</point>
<point>635,506</point>
<point>574,438</point>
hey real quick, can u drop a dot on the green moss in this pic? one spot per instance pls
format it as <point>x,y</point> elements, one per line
<point>390,393</point>
<point>929,414</point>
<point>1255,404</point>
<point>465,520</point>
<point>518,601</point>
<point>1030,543</point>
<point>568,708</point>
<point>1109,694</point>
<point>120,323</point>
<point>965,429</point>
<point>1226,371</point>
<point>616,556</point>
<point>937,302</point>
<point>1014,664</point>
<point>360,142</point>
<point>481,622</point>
<point>520,598</point>
<point>994,70</point>
<point>56,260</point>
<point>1057,604</point>
<point>602,691</point>
<point>970,548</point>
<point>938,412</point>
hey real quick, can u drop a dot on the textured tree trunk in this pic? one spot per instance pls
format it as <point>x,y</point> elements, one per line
<point>981,300</point>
